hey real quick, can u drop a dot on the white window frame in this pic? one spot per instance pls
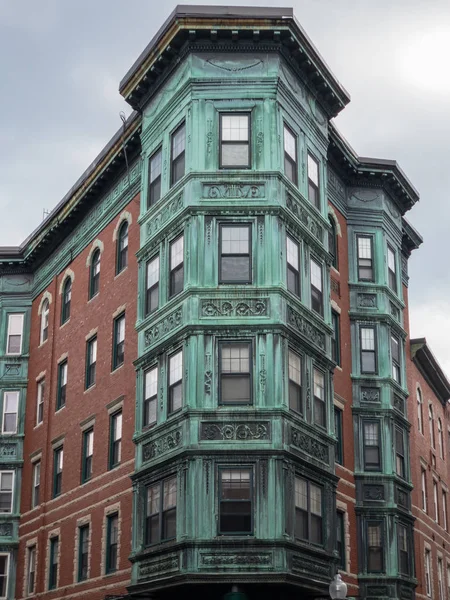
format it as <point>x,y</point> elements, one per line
<point>12,490</point>
<point>40,400</point>
<point>419,410</point>
<point>36,471</point>
<point>45,316</point>
<point>8,555</point>
<point>21,315</point>
<point>423,480</point>
<point>17,393</point>
<point>444,510</point>
<point>31,551</point>
<point>436,501</point>
<point>427,567</point>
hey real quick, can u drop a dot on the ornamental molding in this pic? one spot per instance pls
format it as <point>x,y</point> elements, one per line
<point>302,564</point>
<point>233,191</point>
<point>12,369</point>
<point>305,328</point>
<point>366,300</point>
<point>161,445</point>
<point>370,394</point>
<point>239,558</point>
<point>373,492</point>
<point>234,66</point>
<point>124,216</point>
<point>377,591</point>
<point>68,274</point>
<point>162,217</point>
<point>335,184</point>
<point>307,444</point>
<point>150,568</point>
<point>306,219</point>
<point>6,529</point>
<point>152,334</point>
<point>96,245</point>
<point>45,296</point>
<point>366,196</point>
<point>8,450</point>
<point>234,307</point>
<point>249,431</point>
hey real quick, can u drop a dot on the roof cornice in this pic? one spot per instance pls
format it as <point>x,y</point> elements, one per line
<point>427,364</point>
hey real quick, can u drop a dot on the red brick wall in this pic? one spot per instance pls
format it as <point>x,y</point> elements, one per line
<point>106,488</point>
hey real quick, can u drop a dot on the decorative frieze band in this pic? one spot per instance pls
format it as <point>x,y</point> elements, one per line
<point>233,191</point>
<point>8,450</point>
<point>302,214</point>
<point>239,558</point>
<point>366,300</point>
<point>257,430</point>
<point>305,328</point>
<point>250,307</point>
<point>164,215</point>
<point>152,334</point>
<point>161,445</point>
<point>307,444</point>
<point>153,568</point>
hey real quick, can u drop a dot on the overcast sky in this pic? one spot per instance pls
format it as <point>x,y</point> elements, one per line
<point>61,63</point>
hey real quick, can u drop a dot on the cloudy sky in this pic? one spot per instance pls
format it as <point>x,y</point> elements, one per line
<point>61,63</point>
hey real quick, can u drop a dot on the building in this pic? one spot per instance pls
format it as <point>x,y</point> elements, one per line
<point>218,330</point>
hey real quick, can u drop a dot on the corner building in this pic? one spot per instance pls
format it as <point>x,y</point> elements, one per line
<point>217,392</point>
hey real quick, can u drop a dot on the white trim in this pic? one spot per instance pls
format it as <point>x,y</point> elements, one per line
<point>8,554</point>
<point>17,392</point>
<point>332,214</point>
<point>12,490</point>
<point>96,244</point>
<point>124,216</point>
<point>14,314</point>
<point>68,273</point>
<point>45,296</point>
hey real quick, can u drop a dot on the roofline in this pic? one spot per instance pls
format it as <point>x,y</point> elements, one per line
<point>441,384</point>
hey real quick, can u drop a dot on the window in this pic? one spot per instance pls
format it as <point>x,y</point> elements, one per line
<point>57,471</point>
<point>236,499</point>
<point>91,361</point>
<point>4,575</point>
<point>431,422</point>
<point>336,338</point>
<point>112,538</point>
<point>308,511</point>
<point>290,155</point>
<point>31,570</point>
<point>62,385</point>
<point>392,270</point>
<point>178,154</point>
<point>403,551</point>
<point>368,350</point>
<point>293,268</point>
<point>161,511</point>
<point>35,496</point>
<point>154,188</point>
<point>448,580</point>
<point>152,294</point>
<point>372,458</point>
<point>339,448</point>
<point>333,243</point>
<point>235,256</point>
<point>365,258</point>
<point>399,453</point>
<point>235,376</point>
<point>10,412</point>
<point>40,401</point>
<point>419,410</point>
<point>6,491</point>
<point>395,358</point>
<point>440,577</point>
<point>176,267</point>
<point>234,141</point>
<point>440,439</point>
<point>295,382</point>
<point>316,287</point>
<point>150,396</point>
<point>83,552</point>
<point>313,181</point>
<point>319,398</point>
<point>115,440</point>
<point>119,342</point>
<point>53,563</point>
<point>88,451</point>
<point>374,547</point>
<point>444,510</point>
<point>44,321</point>
<point>340,539</point>
<point>94,274</point>
<point>175,381</point>
<point>15,329</point>
<point>122,248</point>
<point>428,572</point>
<point>436,501</point>
<point>66,300</point>
<point>423,480</point>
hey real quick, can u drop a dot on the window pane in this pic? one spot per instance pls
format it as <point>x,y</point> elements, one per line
<point>365,247</point>
<point>235,268</point>
<point>176,252</point>
<point>395,349</point>
<point>301,493</point>
<point>371,437</point>
<point>295,368</point>
<point>292,253</point>
<point>319,384</point>
<point>316,499</point>
<point>153,499</point>
<point>391,260</point>
<point>368,362</point>
<point>235,389</point>
<point>178,141</point>
<point>170,493</point>
<point>235,128</point>
<point>175,367</point>
<point>235,155</point>
<point>236,484</point>
<point>235,358</point>
<point>289,144</point>
<point>316,275</point>
<point>155,166</point>
<point>313,170</point>
<point>152,272</point>
<point>367,338</point>
<point>151,382</point>
<point>235,240</point>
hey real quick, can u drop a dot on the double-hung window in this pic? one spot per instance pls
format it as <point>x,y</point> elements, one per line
<point>338,432</point>
<point>122,248</point>
<point>375,558</point>
<point>112,540</point>
<point>399,453</point>
<point>66,301</point>
<point>313,181</point>
<point>178,143</point>
<point>31,570</point>
<point>6,491</point>
<point>175,381</point>
<point>428,586</point>
<point>94,274</point>
<point>308,511</point>
<point>440,438</point>
<point>235,375</point>
<point>365,257</point>
<point>444,510</point>
<point>161,511</point>
<point>234,141</point>
<point>392,269</point>
<point>154,188</point>
<point>53,563</point>
<point>440,579</point>
<point>15,333</point>
<point>235,501</point>
<point>368,350</point>
<point>58,459</point>
<point>235,254</point>
<point>150,396</point>
<point>436,501</point>
<point>176,283</point>
<point>35,495</point>
<point>395,358</point>
<point>91,362</point>
<point>333,243</point>
<point>115,439</point>
<point>316,287</point>
<point>290,155</point>
<point>372,453</point>
<point>4,574</point>
<point>10,412</point>
<point>419,410</point>
<point>152,285</point>
<point>336,338</point>
<point>293,266</point>
<point>88,452</point>
<point>44,321</point>
<point>83,552</point>
<point>62,385</point>
<point>319,398</point>
<point>119,342</point>
<point>340,539</point>
<point>40,401</point>
<point>431,423</point>
<point>295,382</point>
<point>423,482</point>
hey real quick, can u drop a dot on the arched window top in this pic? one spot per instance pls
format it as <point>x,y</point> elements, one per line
<point>419,409</point>
<point>122,247</point>
<point>333,242</point>
<point>44,320</point>
<point>419,395</point>
<point>430,411</point>
<point>94,274</point>
<point>439,425</point>
<point>66,300</point>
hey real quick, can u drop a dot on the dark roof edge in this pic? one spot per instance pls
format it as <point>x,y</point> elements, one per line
<point>430,368</point>
<point>411,237</point>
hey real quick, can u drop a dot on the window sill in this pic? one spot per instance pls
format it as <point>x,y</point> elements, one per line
<point>65,323</point>
<point>91,387</point>
<point>59,409</point>
<point>93,297</point>
<point>43,343</point>
<point>117,368</point>
<point>38,425</point>
<point>120,273</point>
